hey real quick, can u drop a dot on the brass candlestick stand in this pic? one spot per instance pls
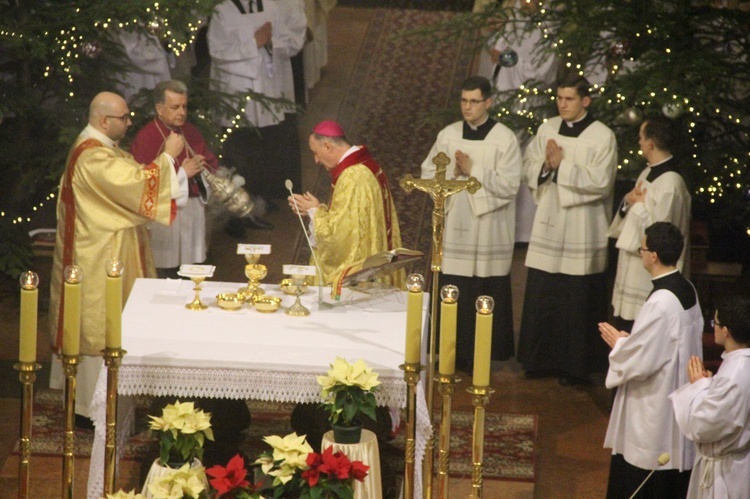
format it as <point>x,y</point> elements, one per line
<point>411,376</point>
<point>113,361</point>
<point>70,368</point>
<point>27,377</point>
<point>439,189</point>
<point>480,397</point>
<point>446,387</point>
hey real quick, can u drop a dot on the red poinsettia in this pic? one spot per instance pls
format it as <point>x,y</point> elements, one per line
<point>225,480</point>
<point>334,466</point>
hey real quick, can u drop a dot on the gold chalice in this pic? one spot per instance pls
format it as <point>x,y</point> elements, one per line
<point>298,309</point>
<point>196,304</point>
<point>255,272</point>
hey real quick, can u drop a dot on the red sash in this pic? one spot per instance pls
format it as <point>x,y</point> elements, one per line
<point>68,200</point>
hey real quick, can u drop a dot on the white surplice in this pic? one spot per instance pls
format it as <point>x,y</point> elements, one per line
<point>569,235</point>
<point>149,60</point>
<point>238,65</point>
<point>715,414</point>
<point>646,367</point>
<point>293,34</point>
<point>479,228</point>
<point>667,200</point>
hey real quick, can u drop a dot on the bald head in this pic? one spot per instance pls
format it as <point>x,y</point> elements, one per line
<point>109,114</point>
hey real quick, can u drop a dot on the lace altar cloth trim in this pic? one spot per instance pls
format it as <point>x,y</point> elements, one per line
<point>233,384</point>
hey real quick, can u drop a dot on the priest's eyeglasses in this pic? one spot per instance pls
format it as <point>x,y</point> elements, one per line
<point>715,323</point>
<point>641,250</point>
<point>124,118</point>
<point>471,102</point>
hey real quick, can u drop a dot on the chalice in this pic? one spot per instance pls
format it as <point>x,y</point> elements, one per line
<point>197,304</point>
<point>298,309</point>
<point>255,272</point>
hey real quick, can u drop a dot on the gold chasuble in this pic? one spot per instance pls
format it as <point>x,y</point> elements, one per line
<point>360,221</point>
<point>105,199</point>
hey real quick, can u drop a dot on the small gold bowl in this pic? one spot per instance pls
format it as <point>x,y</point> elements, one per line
<point>230,301</point>
<point>267,304</point>
<point>288,287</point>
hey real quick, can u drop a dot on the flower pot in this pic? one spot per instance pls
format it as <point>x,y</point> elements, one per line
<point>347,434</point>
<point>157,470</point>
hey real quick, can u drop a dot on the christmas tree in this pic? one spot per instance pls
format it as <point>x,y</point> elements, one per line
<point>55,55</point>
<point>684,59</point>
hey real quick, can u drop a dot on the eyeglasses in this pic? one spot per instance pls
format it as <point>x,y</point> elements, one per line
<point>471,102</point>
<point>124,118</point>
<point>641,250</point>
<point>715,323</point>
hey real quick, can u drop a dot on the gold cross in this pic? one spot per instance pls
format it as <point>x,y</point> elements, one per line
<point>439,189</point>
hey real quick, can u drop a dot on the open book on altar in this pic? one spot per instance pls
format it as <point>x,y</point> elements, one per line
<point>374,266</point>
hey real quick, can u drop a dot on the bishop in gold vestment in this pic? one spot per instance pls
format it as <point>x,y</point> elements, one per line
<point>361,218</point>
<point>105,200</point>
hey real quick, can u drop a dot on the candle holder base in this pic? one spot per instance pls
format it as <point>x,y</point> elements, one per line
<point>480,397</point>
<point>411,376</point>
<point>27,377</point>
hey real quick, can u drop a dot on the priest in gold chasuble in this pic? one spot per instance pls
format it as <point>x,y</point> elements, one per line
<point>360,219</point>
<point>105,200</point>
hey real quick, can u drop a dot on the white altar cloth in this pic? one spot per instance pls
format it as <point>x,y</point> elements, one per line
<point>246,354</point>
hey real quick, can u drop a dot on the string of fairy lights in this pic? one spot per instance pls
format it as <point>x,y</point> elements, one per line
<point>672,106</point>
<point>71,44</point>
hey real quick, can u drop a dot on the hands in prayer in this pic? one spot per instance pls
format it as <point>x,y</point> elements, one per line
<point>174,144</point>
<point>637,195</point>
<point>696,370</point>
<point>610,334</point>
<point>304,202</point>
<point>553,156</point>
<point>463,164</point>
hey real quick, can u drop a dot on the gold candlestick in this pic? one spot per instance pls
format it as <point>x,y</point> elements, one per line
<point>446,387</point>
<point>27,377</point>
<point>439,189</point>
<point>411,376</point>
<point>70,368</point>
<point>480,397</point>
<point>113,361</point>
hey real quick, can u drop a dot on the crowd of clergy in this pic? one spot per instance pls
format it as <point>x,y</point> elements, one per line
<point>554,190</point>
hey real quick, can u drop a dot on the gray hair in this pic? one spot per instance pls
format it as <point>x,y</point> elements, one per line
<point>160,90</point>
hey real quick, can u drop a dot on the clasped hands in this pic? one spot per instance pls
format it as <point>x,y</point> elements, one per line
<point>553,156</point>
<point>304,202</point>
<point>463,164</point>
<point>637,195</point>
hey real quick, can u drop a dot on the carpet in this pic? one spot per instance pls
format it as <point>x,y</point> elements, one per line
<point>395,85</point>
<point>508,447</point>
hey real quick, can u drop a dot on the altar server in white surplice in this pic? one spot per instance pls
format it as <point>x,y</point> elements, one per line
<point>660,194</point>
<point>646,366</point>
<point>148,58</point>
<point>479,228</point>
<point>570,167</point>
<point>714,411</point>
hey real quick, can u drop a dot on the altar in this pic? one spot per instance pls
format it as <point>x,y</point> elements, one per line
<point>246,354</point>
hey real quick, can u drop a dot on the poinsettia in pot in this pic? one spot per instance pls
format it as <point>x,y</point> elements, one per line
<point>182,431</point>
<point>348,395</point>
<point>296,472</point>
<point>187,482</point>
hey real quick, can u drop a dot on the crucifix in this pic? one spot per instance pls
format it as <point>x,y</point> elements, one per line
<point>439,189</point>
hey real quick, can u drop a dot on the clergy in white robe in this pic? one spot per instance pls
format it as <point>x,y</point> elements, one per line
<point>148,61</point>
<point>315,53</point>
<point>249,41</point>
<point>660,194</point>
<point>646,366</point>
<point>479,228</point>
<point>714,411</point>
<point>106,199</point>
<point>570,167</point>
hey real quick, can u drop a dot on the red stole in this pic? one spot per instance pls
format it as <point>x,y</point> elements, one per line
<point>363,157</point>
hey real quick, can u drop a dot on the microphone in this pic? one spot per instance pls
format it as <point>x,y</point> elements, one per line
<point>289,185</point>
<point>663,459</point>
